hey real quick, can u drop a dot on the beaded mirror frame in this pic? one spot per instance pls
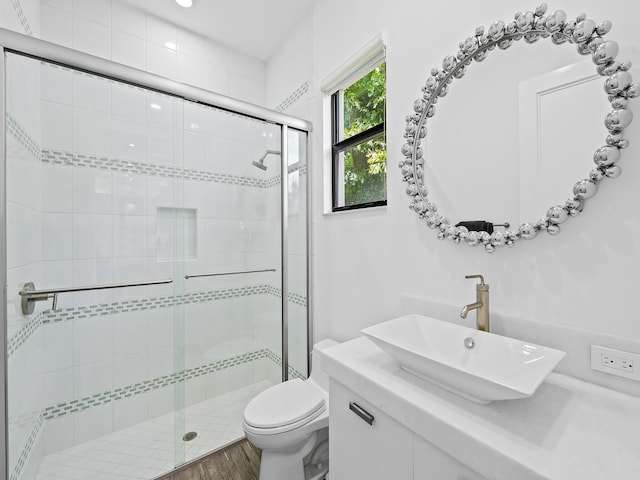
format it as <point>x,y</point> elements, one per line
<point>529,26</point>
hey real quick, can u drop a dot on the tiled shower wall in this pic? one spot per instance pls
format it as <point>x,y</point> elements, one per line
<point>116,31</point>
<point>24,260</point>
<point>109,357</point>
<point>44,368</point>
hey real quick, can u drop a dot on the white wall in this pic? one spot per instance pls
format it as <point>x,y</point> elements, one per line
<point>117,31</point>
<point>364,260</point>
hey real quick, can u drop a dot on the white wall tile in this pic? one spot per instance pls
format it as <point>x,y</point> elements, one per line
<point>195,390</point>
<point>161,401</point>
<point>57,386</point>
<point>128,19</point>
<point>160,108</point>
<point>57,191</point>
<point>129,333</point>
<point>58,434</point>
<point>128,101</point>
<point>128,49</point>
<point>129,370</point>
<point>217,53</point>
<point>56,84</point>
<point>217,383</point>
<point>57,349</point>
<point>92,191</point>
<point>57,25</point>
<point>129,194</point>
<point>128,139</point>
<point>194,150</point>
<point>161,60</point>
<point>189,70</point>
<point>66,5</point>
<point>130,411</point>
<point>189,43</point>
<point>247,89</point>
<point>92,271</point>
<point>58,242</point>
<point>246,66</point>
<point>91,37</point>
<point>161,362</point>
<point>57,126</point>
<point>91,132</point>
<point>215,78</point>
<point>92,236</point>
<point>91,92</point>
<point>160,328</point>
<point>96,10</point>
<point>160,31</point>
<point>92,340</point>
<point>93,423</point>
<point>160,146</point>
<point>129,236</point>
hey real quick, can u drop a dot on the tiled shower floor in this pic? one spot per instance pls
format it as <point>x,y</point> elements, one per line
<point>147,450</point>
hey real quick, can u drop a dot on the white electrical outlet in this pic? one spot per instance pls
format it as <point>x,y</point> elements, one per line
<point>615,362</point>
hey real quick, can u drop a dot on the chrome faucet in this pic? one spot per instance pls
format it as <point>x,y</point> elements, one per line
<point>481,305</point>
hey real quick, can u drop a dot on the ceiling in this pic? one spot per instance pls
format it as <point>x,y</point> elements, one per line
<point>254,27</point>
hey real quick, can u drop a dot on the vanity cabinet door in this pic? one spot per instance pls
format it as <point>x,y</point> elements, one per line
<point>381,450</point>
<point>431,463</point>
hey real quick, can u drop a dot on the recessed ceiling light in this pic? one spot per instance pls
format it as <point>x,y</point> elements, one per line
<point>185,3</point>
<point>171,45</point>
<point>155,106</point>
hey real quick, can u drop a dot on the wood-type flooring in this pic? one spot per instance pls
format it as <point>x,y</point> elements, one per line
<point>238,461</point>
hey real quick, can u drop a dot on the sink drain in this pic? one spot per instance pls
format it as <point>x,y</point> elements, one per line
<point>187,437</point>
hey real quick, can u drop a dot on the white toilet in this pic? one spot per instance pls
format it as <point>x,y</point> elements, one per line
<point>289,422</point>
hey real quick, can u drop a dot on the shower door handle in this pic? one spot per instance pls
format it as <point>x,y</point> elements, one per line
<point>30,295</point>
<point>196,275</point>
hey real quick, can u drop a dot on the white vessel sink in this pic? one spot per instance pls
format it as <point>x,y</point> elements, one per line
<point>495,368</point>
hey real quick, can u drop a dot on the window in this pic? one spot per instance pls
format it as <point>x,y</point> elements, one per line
<point>359,145</point>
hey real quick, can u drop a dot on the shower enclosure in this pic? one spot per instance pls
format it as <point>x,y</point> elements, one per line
<point>155,263</point>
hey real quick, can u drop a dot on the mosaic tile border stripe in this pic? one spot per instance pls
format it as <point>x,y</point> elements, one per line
<point>85,311</point>
<point>79,405</point>
<point>80,160</point>
<point>294,97</point>
<point>58,157</point>
<point>28,447</point>
<point>22,335</point>
<point>17,6</point>
<point>75,406</point>
<point>21,135</point>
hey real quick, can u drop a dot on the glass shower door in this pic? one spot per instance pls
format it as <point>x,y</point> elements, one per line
<point>232,313</point>
<point>108,184</point>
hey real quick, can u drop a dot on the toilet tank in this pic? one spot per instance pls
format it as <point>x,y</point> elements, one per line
<point>317,373</point>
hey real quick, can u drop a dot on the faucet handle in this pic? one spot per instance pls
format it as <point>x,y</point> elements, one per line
<point>476,276</point>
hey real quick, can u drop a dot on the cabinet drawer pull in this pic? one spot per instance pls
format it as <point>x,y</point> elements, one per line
<point>361,412</point>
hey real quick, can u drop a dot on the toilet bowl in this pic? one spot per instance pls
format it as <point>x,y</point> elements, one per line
<point>289,422</point>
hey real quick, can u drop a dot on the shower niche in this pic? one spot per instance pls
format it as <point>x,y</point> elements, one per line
<point>111,183</point>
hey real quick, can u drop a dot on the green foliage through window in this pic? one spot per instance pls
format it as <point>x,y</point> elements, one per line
<point>365,163</point>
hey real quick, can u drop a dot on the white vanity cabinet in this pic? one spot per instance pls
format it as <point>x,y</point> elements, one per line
<point>431,463</point>
<point>384,449</point>
<point>381,450</point>
<point>569,429</point>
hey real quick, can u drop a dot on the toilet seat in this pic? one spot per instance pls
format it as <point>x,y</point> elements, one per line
<point>284,407</point>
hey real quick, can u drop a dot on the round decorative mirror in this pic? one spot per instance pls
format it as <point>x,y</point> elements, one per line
<point>531,26</point>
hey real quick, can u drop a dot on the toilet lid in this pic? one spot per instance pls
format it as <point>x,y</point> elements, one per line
<point>283,404</point>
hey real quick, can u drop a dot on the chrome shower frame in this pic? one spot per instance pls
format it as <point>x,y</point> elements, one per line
<point>14,42</point>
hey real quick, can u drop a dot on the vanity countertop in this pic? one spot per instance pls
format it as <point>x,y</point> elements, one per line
<point>567,430</point>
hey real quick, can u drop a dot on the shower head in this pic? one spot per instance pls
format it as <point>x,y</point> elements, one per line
<point>260,163</point>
